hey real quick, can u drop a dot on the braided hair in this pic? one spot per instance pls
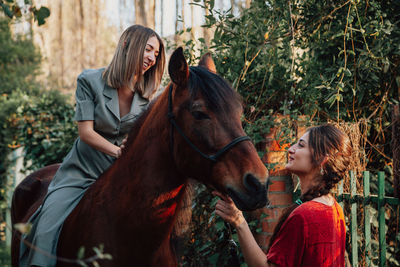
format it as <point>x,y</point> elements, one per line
<point>325,142</point>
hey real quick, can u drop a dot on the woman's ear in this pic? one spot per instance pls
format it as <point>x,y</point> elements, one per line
<point>323,162</point>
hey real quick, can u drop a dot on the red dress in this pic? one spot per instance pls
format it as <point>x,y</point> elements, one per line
<point>314,234</point>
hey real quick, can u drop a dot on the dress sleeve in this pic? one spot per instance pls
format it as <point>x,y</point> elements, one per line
<point>288,248</point>
<point>84,96</point>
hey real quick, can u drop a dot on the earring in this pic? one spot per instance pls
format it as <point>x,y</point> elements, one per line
<point>321,171</point>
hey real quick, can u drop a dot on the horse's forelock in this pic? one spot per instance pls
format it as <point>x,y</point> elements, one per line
<point>217,93</point>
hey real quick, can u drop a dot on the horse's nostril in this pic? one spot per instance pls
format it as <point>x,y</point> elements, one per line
<point>251,183</point>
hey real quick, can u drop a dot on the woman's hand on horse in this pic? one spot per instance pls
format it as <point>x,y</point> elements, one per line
<point>122,146</point>
<point>118,152</point>
<point>228,210</point>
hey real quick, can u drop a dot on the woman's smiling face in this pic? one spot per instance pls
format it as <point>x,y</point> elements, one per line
<point>150,53</point>
<point>300,157</point>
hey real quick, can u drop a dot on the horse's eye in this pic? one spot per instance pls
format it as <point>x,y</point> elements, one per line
<point>198,115</point>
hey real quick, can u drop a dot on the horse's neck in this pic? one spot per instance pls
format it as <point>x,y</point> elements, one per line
<point>145,180</point>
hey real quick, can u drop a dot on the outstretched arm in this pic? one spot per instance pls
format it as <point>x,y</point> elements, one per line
<point>253,255</point>
<point>92,138</point>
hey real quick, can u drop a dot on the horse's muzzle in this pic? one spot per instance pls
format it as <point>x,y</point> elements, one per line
<point>255,196</point>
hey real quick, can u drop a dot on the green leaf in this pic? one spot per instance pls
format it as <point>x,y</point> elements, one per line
<point>7,10</point>
<point>213,259</point>
<point>211,4</point>
<point>220,225</point>
<point>41,15</point>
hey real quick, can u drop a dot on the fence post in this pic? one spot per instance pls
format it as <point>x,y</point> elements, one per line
<point>381,219</point>
<point>396,149</point>
<point>367,222</point>
<point>353,222</point>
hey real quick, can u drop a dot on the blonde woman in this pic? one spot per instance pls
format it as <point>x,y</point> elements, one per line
<point>311,232</point>
<point>108,101</point>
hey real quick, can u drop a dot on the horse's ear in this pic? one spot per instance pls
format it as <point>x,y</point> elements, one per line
<point>178,68</point>
<point>207,62</point>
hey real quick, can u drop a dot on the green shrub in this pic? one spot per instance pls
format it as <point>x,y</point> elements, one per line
<point>46,128</point>
<point>327,60</point>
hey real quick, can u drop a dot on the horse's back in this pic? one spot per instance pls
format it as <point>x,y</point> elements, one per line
<point>27,197</point>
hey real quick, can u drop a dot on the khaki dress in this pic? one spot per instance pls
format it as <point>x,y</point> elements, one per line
<point>95,101</point>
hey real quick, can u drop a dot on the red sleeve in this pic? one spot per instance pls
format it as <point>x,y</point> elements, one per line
<point>289,246</point>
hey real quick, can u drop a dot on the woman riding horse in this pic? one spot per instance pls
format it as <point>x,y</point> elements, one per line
<point>107,103</point>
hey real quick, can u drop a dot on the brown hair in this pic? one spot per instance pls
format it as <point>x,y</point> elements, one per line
<point>324,140</point>
<point>125,69</point>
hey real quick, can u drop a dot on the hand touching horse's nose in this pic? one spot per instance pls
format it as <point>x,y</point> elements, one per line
<point>228,211</point>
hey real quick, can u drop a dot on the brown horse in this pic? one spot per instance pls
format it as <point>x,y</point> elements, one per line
<point>133,206</point>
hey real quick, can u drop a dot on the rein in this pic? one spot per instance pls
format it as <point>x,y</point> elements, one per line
<point>213,158</point>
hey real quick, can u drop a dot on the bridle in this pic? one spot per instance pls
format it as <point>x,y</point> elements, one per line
<point>214,158</point>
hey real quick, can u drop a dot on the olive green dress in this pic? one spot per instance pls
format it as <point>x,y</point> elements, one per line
<point>95,101</point>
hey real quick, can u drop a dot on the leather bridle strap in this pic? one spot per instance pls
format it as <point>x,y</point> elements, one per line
<point>214,157</point>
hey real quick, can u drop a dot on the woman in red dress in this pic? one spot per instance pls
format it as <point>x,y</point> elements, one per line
<point>311,232</point>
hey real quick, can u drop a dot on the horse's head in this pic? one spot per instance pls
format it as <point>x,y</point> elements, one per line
<point>207,138</point>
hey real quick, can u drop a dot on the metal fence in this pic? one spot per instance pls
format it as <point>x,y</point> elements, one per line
<point>363,203</point>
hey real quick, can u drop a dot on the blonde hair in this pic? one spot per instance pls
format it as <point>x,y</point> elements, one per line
<point>125,68</point>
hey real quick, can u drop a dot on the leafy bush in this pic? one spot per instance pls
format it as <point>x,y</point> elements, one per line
<point>38,119</point>
<point>42,123</point>
<point>327,60</point>
<point>46,128</point>
<point>19,63</point>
